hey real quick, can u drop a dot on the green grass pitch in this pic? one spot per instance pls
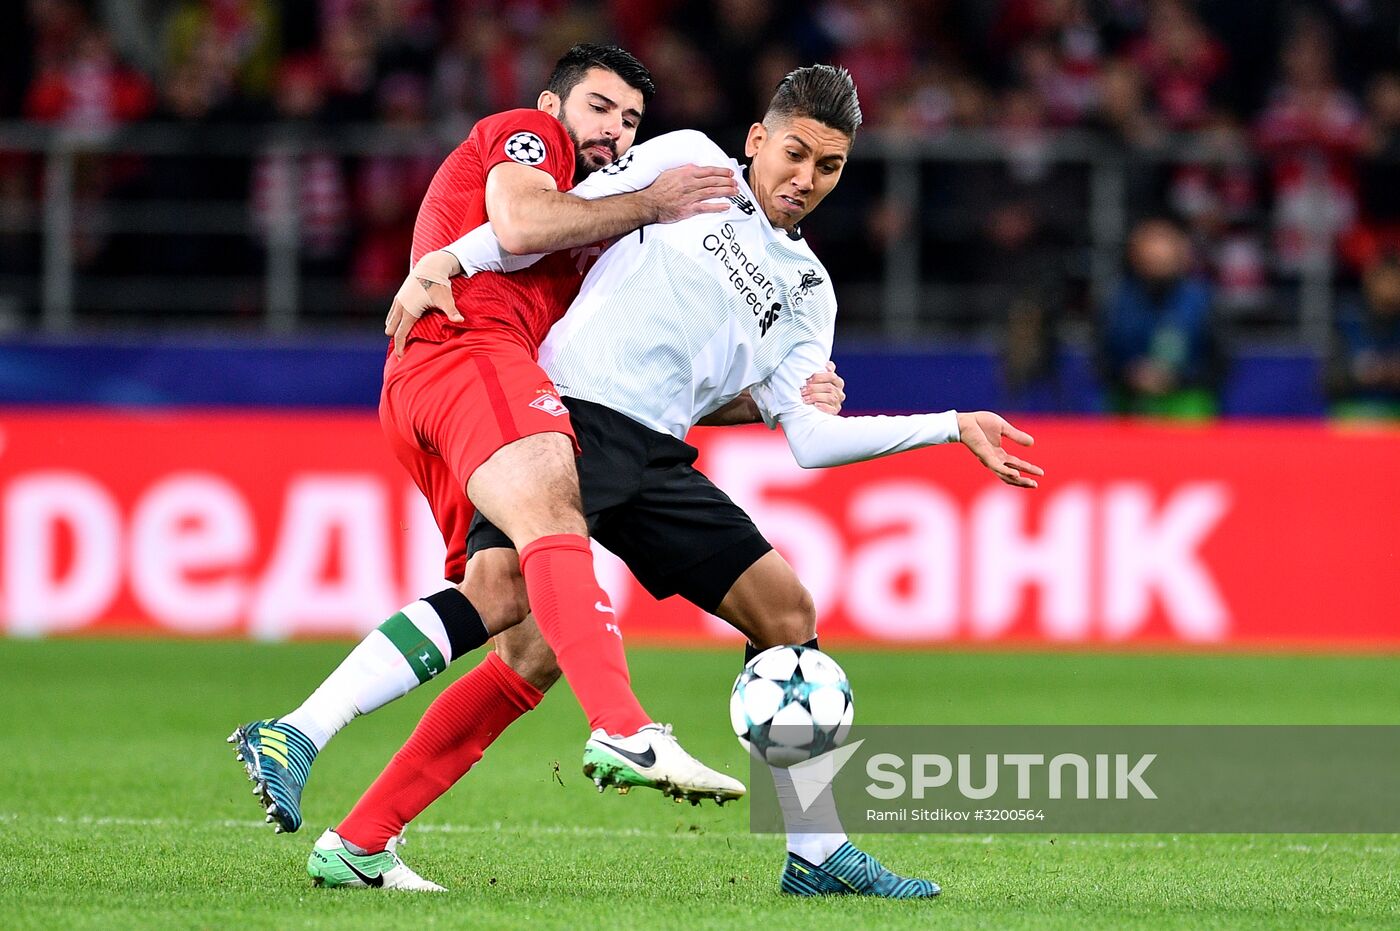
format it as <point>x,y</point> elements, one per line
<point>123,807</point>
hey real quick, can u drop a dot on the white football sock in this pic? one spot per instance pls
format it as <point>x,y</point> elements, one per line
<point>813,834</point>
<point>402,653</point>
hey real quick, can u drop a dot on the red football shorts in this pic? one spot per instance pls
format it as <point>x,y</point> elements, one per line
<point>448,407</point>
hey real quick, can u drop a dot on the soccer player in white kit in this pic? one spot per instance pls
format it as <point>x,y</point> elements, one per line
<point>718,319</point>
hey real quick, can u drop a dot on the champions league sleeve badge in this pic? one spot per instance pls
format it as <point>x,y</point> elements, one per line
<point>525,148</point>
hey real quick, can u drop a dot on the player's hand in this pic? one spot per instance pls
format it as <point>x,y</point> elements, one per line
<point>684,192</point>
<point>826,391</point>
<point>983,432</point>
<point>428,287</point>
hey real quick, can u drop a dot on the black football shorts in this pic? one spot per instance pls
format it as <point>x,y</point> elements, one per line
<point>647,503</point>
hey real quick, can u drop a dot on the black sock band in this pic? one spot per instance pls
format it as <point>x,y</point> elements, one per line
<point>750,651</point>
<point>465,629</point>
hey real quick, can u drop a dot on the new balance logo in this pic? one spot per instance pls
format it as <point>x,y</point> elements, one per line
<point>743,203</point>
<point>770,317</point>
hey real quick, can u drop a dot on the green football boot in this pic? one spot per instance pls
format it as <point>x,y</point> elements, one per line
<point>331,864</point>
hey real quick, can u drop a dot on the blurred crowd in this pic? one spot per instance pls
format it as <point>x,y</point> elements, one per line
<point>1257,140</point>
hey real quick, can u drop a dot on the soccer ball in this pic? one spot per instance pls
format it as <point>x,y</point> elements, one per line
<point>791,704</point>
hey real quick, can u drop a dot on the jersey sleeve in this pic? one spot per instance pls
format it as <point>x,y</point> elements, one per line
<point>819,440</point>
<point>640,165</point>
<point>529,137</point>
<point>481,251</point>
<point>780,394</point>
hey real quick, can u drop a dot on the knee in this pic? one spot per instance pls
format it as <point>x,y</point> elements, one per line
<point>503,605</point>
<point>805,615</point>
<point>524,650</point>
<point>795,621</point>
<point>496,589</point>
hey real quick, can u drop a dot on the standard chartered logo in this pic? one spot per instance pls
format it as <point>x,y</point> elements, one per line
<point>756,289</point>
<point>1065,775</point>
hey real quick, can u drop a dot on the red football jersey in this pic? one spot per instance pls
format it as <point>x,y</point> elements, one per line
<point>528,302</point>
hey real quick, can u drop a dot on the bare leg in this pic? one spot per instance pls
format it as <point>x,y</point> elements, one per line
<point>770,605</point>
<point>529,489</point>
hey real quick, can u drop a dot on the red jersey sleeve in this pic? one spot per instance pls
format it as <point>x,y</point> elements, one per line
<point>530,137</point>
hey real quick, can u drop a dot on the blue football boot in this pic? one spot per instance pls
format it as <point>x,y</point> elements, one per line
<point>851,871</point>
<point>277,758</point>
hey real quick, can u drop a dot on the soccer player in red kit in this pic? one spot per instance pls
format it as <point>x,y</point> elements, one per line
<point>466,407</point>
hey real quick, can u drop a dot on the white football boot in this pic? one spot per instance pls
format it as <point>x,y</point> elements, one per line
<point>654,759</point>
<point>331,864</point>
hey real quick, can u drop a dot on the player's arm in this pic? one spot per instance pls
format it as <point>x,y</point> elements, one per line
<point>428,286</point>
<point>667,179</point>
<point>825,390</point>
<point>477,251</point>
<point>742,410</point>
<point>530,218</point>
<point>819,440</point>
<point>529,214</point>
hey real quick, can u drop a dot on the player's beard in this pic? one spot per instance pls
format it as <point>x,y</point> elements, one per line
<point>585,165</point>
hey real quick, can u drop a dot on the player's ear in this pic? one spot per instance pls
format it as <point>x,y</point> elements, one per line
<point>549,102</point>
<point>757,133</point>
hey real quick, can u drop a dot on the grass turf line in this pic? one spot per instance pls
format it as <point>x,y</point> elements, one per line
<point>124,808</point>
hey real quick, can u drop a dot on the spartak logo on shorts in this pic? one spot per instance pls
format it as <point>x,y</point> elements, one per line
<point>550,405</point>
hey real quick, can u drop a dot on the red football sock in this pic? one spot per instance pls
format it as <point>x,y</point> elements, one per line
<point>577,621</point>
<point>455,731</point>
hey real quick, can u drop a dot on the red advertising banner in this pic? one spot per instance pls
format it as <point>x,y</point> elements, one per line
<point>289,525</point>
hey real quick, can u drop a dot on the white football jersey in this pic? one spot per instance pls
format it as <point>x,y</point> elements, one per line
<point>677,319</point>
<point>690,314</point>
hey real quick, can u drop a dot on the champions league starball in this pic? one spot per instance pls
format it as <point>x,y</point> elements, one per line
<point>790,704</point>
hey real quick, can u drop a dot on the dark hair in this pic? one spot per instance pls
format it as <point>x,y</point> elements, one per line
<point>577,61</point>
<point>823,93</point>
